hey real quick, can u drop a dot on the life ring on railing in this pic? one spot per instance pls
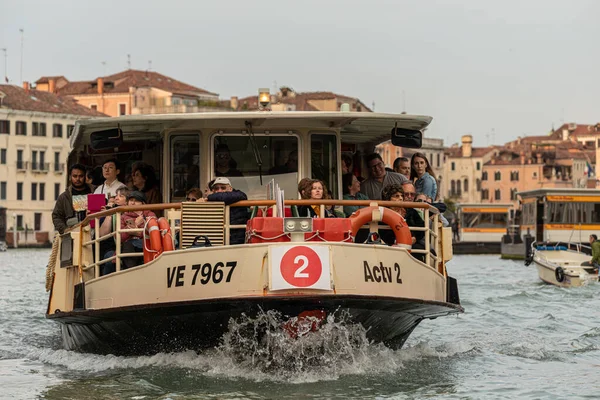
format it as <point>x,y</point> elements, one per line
<point>165,233</point>
<point>389,217</point>
<point>152,240</point>
<point>559,274</point>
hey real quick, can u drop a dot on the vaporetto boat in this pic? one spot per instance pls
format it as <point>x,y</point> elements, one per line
<point>308,270</point>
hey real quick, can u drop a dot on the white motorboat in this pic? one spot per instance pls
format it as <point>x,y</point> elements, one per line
<point>561,264</point>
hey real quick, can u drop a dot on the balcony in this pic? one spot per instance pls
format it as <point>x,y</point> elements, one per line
<point>22,166</point>
<point>59,168</point>
<point>40,167</point>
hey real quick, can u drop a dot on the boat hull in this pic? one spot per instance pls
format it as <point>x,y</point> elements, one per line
<point>571,273</point>
<point>199,325</point>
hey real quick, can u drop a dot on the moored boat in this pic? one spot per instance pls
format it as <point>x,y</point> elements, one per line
<point>562,264</point>
<point>308,269</point>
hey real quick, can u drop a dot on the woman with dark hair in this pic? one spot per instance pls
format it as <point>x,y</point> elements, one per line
<point>144,180</point>
<point>351,188</point>
<point>422,175</point>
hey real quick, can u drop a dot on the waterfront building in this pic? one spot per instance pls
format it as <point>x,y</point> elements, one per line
<point>134,92</point>
<point>35,129</point>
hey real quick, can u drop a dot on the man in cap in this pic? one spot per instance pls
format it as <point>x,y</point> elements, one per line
<point>224,192</point>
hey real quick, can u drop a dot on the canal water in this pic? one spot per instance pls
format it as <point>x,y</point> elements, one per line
<point>519,338</point>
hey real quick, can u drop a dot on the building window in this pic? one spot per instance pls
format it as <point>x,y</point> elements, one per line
<point>94,107</point>
<point>2,156</point>
<point>34,189</point>
<point>452,166</point>
<point>20,163</point>
<point>19,222</point>
<point>37,221</point>
<point>534,176</point>
<point>478,184</point>
<point>452,188</point>
<point>42,129</point>
<point>497,195</point>
<point>497,176</point>
<point>19,190</point>
<point>458,191</point>
<point>513,194</point>
<point>5,127</point>
<point>42,191</point>
<point>122,109</point>
<point>34,161</point>
<point>2,190</point>
<point>56,191</point>
<point>478,166</point>
<point>514,176</point>
<point>485,194</point>
<point>21,128</point>
<point>70,130</point>
<point>57,130</point>
<point>35,129</point>
<point>438,160</point>
<point>484,176</point>
<point>466,185</point>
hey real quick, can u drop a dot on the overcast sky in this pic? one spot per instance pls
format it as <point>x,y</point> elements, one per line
<point>501,68</point>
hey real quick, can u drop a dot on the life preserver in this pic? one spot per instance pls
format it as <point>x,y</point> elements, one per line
<point>559,274</point>
<point>152,240</point>
<point>389,217</point>
<point>165,233</point>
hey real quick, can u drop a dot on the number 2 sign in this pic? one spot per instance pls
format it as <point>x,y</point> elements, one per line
<point>300,267</point>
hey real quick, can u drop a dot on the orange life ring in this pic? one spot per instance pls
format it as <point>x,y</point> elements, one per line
<point>152,240</point>
<point>165,233</point>
<point>389,217</point>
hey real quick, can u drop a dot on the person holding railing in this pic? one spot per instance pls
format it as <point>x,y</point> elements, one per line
<point>317,191</point>
<point>108,246</point>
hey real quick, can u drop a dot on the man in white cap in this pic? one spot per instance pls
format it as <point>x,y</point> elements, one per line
<point>223,191</point>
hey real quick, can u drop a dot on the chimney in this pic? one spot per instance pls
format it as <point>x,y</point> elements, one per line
<point>522,158</point>
<point>100,86</point>
<point>539,158</point>
<point>26,85</point>
<point>565,134</point>
<point>52,85</point>
<point>234,102</point>
<point>467,145</point>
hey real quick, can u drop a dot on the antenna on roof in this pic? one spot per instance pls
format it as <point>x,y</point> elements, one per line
<point>128,61</point>
<point>21,73</point>
<point>149,65</point>
<point>373,106</point>
<point>5,64</point>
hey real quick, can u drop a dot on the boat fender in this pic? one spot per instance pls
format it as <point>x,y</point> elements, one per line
<point>391,218</point>
<point>152,240</point>
<point>165,233</point>
<point>559,273</point>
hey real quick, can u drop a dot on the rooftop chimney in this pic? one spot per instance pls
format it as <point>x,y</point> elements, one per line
<point>26,85</point>
<point>467,145</point>
<point>100,86</point>
<point>233,103</point>
<point>52,85</point>
<point>522,158</point>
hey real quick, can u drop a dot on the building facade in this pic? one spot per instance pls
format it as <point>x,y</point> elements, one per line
<point>35,128</point>
<point>134,92</point>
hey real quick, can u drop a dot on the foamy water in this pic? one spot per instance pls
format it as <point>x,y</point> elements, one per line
<point>518,338</point>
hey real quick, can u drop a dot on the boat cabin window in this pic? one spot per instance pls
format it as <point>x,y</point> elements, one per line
<point>324,160</point>
<point>484,220</point>
<point>185,164</point>
<point>234,157</point>
<point>572,213</point>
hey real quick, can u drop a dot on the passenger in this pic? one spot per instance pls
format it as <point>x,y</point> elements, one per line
<point>71,205</point>
<point>89,178</point>
<point>402,166</point>
<point>193,194</point>
<point>346,163</point>
<point>351,187</point>
<point>224,164</point>
<point>409,191</point>
<point>318,191</point>
<point>223,191</point>
<point>422,175</point>
<point>144,180</point>
<point>291,165</point>
<point>379,177</point>
<point>108,246</point>
<point>133,242</point>
<point>304,188</point>
<point>393,193</point>
<point>455,230</point>
<point>595,245</point>
<point>110,171</point>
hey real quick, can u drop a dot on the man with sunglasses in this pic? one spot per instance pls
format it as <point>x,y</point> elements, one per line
<point>223,191</point>
<point>378,177</point>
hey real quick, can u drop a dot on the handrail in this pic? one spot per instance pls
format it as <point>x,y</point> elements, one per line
<point>430,227</point>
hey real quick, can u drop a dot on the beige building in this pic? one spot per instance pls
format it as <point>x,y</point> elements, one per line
<point>35,127</point>
<point>134,92</point>
<point>463,167</point>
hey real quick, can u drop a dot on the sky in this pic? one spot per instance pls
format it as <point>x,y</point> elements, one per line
<point>493,69</point>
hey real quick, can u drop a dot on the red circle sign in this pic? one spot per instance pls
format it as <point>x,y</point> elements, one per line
<point>301,266</point>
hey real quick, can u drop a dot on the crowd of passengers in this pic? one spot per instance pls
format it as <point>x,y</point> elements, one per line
<point>410,181</point>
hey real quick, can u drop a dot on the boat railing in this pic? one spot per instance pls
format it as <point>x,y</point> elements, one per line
<point>90,237</point>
